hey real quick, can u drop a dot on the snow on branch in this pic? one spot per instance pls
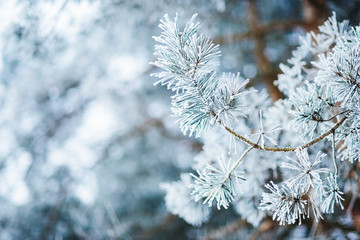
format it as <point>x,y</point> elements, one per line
<point>189,62</point>
<point>319,115</point>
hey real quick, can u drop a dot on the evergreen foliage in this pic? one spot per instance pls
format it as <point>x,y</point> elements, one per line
<point>319,115</point>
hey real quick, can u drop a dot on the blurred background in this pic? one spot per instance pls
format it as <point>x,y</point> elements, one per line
<point>85,138</point>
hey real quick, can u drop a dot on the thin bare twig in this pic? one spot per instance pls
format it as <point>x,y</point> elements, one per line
<point>116,222</point>
<point>333,117</point>
<point>264,227</point>
<point>226,230</point>
<point>237,163</point>
<point>288,149</point>
<point>334,154</point>
<point>313,229</point>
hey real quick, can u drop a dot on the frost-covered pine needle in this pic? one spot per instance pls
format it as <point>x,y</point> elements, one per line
<point>333,195</point>
<point>217,183</point>
<point>306,173</point>
<point>321,82</point>
<point>287,204</point>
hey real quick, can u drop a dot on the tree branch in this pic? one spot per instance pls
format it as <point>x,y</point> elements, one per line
<point>288,149</point>
<point>315,13</point>
<point>261,59</point>
<point>334,154</point>
<point>261,30</point>
<point>237,163</point>
<point>226,230</point>
<point>264,227</point>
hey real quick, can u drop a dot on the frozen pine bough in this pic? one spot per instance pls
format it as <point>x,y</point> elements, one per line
<point>293,159</point>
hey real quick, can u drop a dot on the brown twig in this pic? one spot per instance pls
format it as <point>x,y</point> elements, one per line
<point>315,13</point>
<point>226,230</point>
<point>261,60</point>
<point>288,149</point>
<point>261,30</point>
<point>166,222</point>
<point>264,227</point>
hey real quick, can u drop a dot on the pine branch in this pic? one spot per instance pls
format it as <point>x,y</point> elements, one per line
<point>288,149</point>
<point>201,107</point>
<point>237,163</point>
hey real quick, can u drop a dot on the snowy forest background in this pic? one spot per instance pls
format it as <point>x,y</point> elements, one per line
<point>86,139</point>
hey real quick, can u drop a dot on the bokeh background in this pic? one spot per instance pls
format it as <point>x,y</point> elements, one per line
<point>85,137</point>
